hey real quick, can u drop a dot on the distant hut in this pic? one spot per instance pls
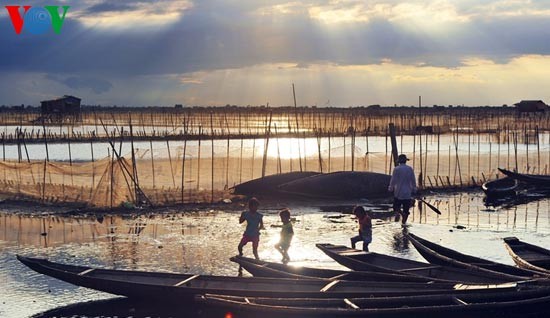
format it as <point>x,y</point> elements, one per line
<point>530,106</point>
<point>66,108</point>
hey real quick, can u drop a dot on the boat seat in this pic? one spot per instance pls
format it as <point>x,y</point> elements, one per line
<point>419,268</point>
<point>185,281</point>
<point>459,301</point>
<point>86,271</point>
<point>351,304</point>
<point>329,286</point>
<point>339,276</point>
<point>353,253</point>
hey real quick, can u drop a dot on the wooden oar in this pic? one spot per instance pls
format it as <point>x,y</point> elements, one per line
<point>436,210</point>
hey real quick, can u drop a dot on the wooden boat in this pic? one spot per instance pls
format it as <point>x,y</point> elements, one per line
<point>370,261</point>
<point>179,288</point>
<point>458,305</point>
<point>260,268</point>
<point>270,184</point>
<point>527,255</point>
<point>500,187</point>
<point>531,179</point>
<point>437,254</point>
<point>340,185</point>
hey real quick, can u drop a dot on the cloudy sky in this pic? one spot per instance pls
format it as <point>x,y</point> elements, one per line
<point>249,52</point>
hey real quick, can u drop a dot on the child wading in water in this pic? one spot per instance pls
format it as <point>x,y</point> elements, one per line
<point>286,235</point>
<point>365,228</point>
<point>254,223</point>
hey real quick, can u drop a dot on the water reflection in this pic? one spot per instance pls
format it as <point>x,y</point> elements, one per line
<point>401,241</point>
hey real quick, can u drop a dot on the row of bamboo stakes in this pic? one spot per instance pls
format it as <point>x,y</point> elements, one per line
<point>302,123</point>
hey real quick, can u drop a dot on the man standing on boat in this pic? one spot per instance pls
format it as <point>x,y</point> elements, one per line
<point>403,185</point>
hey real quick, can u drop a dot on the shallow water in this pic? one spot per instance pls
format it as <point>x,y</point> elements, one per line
<point>202,241</point>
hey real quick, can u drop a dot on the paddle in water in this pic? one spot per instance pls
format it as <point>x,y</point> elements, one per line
<point>436,210</point>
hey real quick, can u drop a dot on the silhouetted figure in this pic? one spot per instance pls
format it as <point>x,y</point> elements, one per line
<point>287,232</point>
<point>403,185</point>
<point>254,223</point>
<point>365,228</point>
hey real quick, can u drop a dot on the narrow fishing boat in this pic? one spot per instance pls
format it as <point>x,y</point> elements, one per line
<point>527,255</point>
<point>459,305</point>
<point>260,268</point>
<point>500,187</point>
<point>181,288</point>
<point>531,179</point>
<point>440,255</point>
<point>370,261</point>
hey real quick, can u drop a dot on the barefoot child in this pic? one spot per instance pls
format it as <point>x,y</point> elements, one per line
<point>254,223</point>
<point>286,235</point>
<point>365,228</point>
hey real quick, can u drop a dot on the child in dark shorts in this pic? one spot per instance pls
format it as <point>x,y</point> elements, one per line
<point>286,235</point>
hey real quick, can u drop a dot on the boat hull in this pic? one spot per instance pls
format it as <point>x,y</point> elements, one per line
<point>369,261</point>
<point>437,254</point>
<point>527,255</point>
<point>500,187</point>
<point>277,270</point>
<point>269,185</point>
<point>340,185</point>
<point>182,288</point>
<point>473,305</point>
<point>531,179</point>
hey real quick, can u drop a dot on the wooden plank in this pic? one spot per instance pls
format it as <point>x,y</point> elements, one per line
<point>339,276</point>
<point>351,304</point>
<point>329,286</point>
<point>86,271</point>
<point>419,268</point>
<point>186,280</point>
<point>459,301</point>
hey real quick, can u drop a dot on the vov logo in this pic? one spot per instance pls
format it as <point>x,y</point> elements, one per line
<point>37,20</point>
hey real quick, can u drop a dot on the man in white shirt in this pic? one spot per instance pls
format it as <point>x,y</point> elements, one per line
<point>403,185</point>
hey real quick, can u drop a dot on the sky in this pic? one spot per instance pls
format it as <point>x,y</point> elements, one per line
<point>250,52</point>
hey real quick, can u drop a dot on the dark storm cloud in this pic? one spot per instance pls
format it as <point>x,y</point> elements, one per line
<point>96,85</point>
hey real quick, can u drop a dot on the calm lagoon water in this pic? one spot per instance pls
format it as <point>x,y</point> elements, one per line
<point>201,241</point>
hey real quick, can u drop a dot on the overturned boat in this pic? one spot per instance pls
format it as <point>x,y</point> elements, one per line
<point>270,184</point>
<point>340,185</point>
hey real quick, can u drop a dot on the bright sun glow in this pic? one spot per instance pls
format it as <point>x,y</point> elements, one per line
<point>290,148</point>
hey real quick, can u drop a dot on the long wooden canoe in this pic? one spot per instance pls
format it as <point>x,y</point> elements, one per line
<point>260,268</point>
<point>370,261</point>
<point>437,254</point>
<point>270,184</point>
<point>340,185</point>
<point>527,255</point>
<point>179,288</point>
<point>532,179</point>
<point>458,305</point>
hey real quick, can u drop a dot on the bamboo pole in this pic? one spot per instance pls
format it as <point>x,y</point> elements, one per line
<point>212,159</point>
<point>297,127</point>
